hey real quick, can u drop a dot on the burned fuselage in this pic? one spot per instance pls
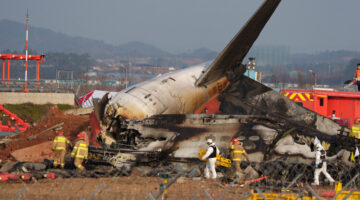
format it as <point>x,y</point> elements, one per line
<point>171,93</point>
<point>180,137</point>
<point>186,90</point>
<point>155,116</point>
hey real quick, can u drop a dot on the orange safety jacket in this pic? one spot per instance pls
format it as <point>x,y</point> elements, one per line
<point>357,75</point>
<point>60,143</point>
<point>237,152</point>
<point>80,150</point>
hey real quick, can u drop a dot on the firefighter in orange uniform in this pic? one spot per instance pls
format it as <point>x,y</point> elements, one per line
<point>59,147</point>
<point>236,154</point>
<point>355,129</point>
<point>80,151</point>
<point>357,76</point>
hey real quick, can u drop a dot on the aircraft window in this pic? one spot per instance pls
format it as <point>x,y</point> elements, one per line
<point>249,146</point>
<point>208,120</point>
<point>321,101</point>
<point>254,138</point>
<point>241,137</point>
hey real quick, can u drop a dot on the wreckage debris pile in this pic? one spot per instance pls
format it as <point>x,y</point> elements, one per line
<point>33,136</point>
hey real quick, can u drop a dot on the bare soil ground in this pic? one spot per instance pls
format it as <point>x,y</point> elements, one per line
<point>131,187</point>
<point>35,153</point>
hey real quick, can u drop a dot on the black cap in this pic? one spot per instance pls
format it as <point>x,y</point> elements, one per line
<point>358,64</point>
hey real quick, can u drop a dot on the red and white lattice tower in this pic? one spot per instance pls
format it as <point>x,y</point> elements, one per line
<point>26,49</point>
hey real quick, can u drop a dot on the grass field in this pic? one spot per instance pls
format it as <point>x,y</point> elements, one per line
<point>30,112</point>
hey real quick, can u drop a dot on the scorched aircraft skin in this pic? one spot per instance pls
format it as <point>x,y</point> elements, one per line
<point>156,116</point>
<point>184,91</point>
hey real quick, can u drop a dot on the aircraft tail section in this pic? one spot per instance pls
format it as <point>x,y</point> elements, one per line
<point>239,46</point>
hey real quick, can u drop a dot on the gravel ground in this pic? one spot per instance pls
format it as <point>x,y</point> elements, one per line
<point>130,187</point>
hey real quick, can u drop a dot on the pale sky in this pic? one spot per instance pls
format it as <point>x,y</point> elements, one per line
<point>184,25</point>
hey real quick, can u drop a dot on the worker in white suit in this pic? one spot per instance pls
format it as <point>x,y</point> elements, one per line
<point>320,163</point>
<point>211,153</point>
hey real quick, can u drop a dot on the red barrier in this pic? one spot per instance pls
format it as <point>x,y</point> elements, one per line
<point>15,176</point>
<point>328,194</point>
<point>22,176</point>
<point>19,123</point>
<point>49,175</point>
<point>256,180</point>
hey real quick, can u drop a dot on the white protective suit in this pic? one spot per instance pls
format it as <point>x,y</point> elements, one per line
<point>210,165</point>
<point>320,165</point>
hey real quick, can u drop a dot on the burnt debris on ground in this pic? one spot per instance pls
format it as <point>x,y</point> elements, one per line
<point>71,126</point>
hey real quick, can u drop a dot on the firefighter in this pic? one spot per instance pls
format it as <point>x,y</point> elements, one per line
<point>355,129</point>
<point>211,153</point>
<point>237,152</point>
<point>59,147</point>
<point>320,163</point>
<point>80,151</point>
<point>357,76</point>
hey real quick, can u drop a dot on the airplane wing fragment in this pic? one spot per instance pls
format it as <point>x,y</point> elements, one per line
<point>239,46</point>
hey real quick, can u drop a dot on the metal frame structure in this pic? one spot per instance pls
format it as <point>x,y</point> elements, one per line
<point>38,58</point>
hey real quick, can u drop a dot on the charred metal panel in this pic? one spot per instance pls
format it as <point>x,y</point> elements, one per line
<point>246,96</point>
<point>182,136</point>
<point>265,138</point>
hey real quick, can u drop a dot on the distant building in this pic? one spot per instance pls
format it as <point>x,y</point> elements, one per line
<point>112,83</point>
<point>272,55</point>
<point>93,82</point>
<point>50,81</point>
<point>90,74</point>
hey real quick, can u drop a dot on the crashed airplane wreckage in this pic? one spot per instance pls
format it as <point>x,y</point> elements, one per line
<point>270,125</point>
<point>153,120</point>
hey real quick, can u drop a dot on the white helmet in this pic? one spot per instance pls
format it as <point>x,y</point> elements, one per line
<point>209,140</point>
<point>319,147</point>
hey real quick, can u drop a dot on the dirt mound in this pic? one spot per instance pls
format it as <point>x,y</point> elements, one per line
<point>72,126</point>
<point>35,153</point>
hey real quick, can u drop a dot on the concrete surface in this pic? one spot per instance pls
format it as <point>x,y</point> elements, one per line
<point>80,111</point>
<point>36,98</point>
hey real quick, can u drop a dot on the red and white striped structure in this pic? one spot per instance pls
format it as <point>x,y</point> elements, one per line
<point>87,100</point>
<point>26,49</point>
<point>39,59</point>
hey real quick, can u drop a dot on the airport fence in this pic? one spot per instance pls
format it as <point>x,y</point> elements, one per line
<point>274,182</point>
